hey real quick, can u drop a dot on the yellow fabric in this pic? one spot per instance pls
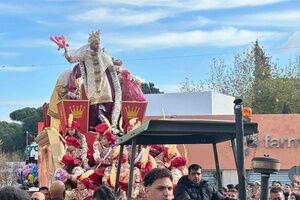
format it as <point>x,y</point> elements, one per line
<point>145,155</point>
<point>185,152</point>
<point>54,123</point>
<point>86,174</point>
<point>153,162</point>
<point>172,150</point>
<point>116,152</point>
<point>60,92</point>
<point>30,178</point>
<point>57,147</point>
<point>113,176</point>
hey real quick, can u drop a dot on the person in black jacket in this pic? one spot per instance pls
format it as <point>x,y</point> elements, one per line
<point>193,187</point>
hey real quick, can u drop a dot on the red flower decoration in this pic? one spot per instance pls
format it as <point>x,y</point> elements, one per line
<point>73,141</point>
<point>178,161</point>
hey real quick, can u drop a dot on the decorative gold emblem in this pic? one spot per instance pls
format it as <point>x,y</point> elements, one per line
<point>77,111</point>
<point>132,112</point>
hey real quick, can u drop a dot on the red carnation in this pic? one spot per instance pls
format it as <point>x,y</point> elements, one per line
<point>96,177</point>
<point>75,125</point>
<point>73,141</point>
<point>101,128</point>
<point>110,137</point>
<point>178,161</point>
<point>69,160</point>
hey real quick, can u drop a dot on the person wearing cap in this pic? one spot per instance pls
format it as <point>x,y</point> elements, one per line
<point>110,173</point>
<point>76,143</point>
<point>73,149</point>
<point>72,168</point>
<point>84,190</point>
<point>178,168</point>
<point>104,146</point>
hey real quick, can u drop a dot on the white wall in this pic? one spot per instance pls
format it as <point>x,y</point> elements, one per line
<point>222,104</point>
<point>197,103</point>
<point>229,177</point>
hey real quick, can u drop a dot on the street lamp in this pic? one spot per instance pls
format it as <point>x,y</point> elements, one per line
<point>27,138</point>
<point>266,166</point>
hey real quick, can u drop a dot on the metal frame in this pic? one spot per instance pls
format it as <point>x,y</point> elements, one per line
<point>182,131</point>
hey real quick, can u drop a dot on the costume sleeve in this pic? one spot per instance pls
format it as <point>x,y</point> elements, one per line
<point>181,194</point>
<point>78,55</point>
<point>77,171</point>
<point>107,60</point>
<point>106,175</point>
<point>176,173</point>
<point>96,146</point>
<point>160,160</point>
<point>70,194</point>
<point>84,150</point>
<point>137,183</point>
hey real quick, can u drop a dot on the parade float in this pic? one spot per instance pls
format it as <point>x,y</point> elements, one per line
<point>94,131</point>
<point>97,101</point>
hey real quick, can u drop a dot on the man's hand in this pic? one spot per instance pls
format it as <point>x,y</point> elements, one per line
<point>68,176</point>
<point>99,160</point>
<point>118,62</point>
<point>86,166</point>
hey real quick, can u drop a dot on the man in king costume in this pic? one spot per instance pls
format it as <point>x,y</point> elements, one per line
<point>99,78</point>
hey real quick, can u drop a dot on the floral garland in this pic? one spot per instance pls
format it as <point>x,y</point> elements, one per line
<point>117,103</point>
<point>83,75</point>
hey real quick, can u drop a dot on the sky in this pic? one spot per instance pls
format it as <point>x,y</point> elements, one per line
<point>161,41</point>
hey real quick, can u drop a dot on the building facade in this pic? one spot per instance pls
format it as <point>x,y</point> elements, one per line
<point>278,137</point>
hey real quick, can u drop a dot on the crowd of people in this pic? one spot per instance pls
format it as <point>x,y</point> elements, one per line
<point>158,184</point>
<point>160,171</point>
<point>27,175</point>
<point>277,190</point>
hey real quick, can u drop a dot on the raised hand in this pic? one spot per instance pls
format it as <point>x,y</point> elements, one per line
<point>60,41</point>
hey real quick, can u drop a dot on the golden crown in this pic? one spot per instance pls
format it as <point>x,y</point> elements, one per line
<point>132,112</point>
<point>94,36</point>
<point>77,111</point>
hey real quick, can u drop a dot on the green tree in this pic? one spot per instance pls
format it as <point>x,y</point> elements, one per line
<point>286,108</point>
<point>149,88</point>
<point>263,85</point>
<point>12,136</point>
<point>29,117</point>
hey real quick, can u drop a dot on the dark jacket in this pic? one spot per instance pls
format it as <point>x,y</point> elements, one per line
<point>186,189</point>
